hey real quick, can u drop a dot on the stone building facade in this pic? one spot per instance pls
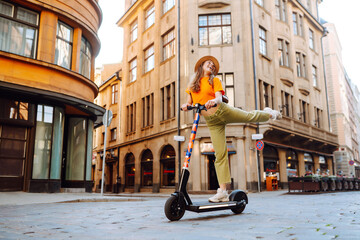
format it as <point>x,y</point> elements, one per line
<point>270,56</point>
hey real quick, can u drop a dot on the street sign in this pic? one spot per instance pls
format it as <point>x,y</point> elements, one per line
<point>179,138</point>
<point>257,136</point>
<point>107,117</point>
<point>259,145</point>
<point>351,162</point>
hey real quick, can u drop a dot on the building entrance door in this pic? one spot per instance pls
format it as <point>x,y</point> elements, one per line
<point>13,143</point>
<point>213,182</point>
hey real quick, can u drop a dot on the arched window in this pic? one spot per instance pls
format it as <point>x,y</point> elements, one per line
<point>129,170</point>
<point>292,163</point>
<point>167,162</point>
<point>147,168</point>
<point>309,163</point>
<point>271,159</point>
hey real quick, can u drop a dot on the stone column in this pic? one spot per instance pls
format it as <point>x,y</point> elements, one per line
<point>240,179</point>
<point>316,162</point>
<point>301,164</point>
<point>195,167</point>
<point>330,161</point>
<point>282,168</point>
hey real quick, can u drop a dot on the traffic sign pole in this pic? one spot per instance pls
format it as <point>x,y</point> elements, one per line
<point>106,121</point>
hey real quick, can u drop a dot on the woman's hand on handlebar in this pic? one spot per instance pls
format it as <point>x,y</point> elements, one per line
<point>211,103</point>
<point>184,107</point>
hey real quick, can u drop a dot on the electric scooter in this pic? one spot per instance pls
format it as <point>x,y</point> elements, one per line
<point>180,201</point>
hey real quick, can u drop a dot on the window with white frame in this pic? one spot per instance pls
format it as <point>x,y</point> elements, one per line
<point>85,58</point>
<point>149,58</point>
<point>167,5</point>
<point>311,39</point>
<point>18,30</point>
<point>168,44</point>
<point>133,70</point>
<point>150,17</point>
<point>280,8</point>
<point>297,24</point>
<point>63,48</point>
<point>262,41</point>
<point>133,31</point>
<point>283,49</point>
<point>314,76</point>
<point>227,81</point>
<point>113,134</point>
<point>215,29</point>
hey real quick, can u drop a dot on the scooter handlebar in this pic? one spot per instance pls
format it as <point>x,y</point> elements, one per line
<point>196,106</point>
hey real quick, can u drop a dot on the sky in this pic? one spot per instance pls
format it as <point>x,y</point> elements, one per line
<point>340,12</point>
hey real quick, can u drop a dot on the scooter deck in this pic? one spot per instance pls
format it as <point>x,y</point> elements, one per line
<point>208,206</point>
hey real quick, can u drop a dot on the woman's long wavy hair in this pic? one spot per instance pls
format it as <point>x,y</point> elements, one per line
<point>195,82</point>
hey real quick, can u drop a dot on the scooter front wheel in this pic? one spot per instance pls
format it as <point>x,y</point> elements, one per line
<point>174,208</point>
<point>238,196</point>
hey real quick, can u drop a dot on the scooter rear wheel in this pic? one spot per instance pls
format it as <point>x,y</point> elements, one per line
<point>174,208</point>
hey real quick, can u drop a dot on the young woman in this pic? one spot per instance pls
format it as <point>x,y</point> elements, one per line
<point>207,90</point>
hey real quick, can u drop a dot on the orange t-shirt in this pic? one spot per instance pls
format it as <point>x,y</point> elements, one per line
<point>207,92</point>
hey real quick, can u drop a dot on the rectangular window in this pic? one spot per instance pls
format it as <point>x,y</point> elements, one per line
<point>167,5</point>
<point>229,88</point>
<point>18,30</point>
<point>287,104</point>
<point>168,45</point>
<point>262,41</point>
<point>113,134</point>
<point>168,101</point>
<point>133,31</point>
<point>266,92</point>
<point>311,39</point>
<point>131,117</point>
<point>150,17</point>
<point>149,58</point>
<point>280,7</point>
<point>304,111</point>
<point>318,116</point>
<point>215,29</point>
<point>314,76</point>
<point>114,93</point>
<point>283,49</point>
<point>297,24</point>
<point>85,58</point>
<point>11,109</point>
<point>63,49</point>
<point>260,2</point>
<point>300,64</point>
<point>133,70</point>
<point>148,110</point>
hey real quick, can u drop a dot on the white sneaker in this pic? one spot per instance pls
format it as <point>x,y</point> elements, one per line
<point>220,196</point>
<point>275,115</point>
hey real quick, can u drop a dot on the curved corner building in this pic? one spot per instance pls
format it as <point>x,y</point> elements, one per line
<point>47,115</point>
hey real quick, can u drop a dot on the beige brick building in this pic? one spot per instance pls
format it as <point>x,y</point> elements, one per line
<point>277,43</point>
<point>343,104</point>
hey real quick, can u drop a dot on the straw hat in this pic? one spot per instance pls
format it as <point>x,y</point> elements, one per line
<point>205,58</point>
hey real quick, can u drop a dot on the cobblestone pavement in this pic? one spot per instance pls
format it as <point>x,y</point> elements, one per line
<point>269,215</point>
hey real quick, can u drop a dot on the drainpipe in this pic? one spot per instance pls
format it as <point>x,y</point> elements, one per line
<point>178,85</point>
<point>255,87</point>
<point>325,33</point>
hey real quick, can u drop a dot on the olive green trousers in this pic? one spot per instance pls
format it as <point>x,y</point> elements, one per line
<point>216,123</point>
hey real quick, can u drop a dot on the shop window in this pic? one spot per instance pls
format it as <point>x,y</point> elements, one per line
<point>309,163</point>
<point>147,168</point>
<point>292,164</point>
<point>19,30</point>
<point>85,58</point>
<point>129,170</point>
<point>48,142</point>
<point>271,160</point>
<point>215,29</point>
<point>63,49</point>
<point>167,162</point>
<point>323,165</point>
